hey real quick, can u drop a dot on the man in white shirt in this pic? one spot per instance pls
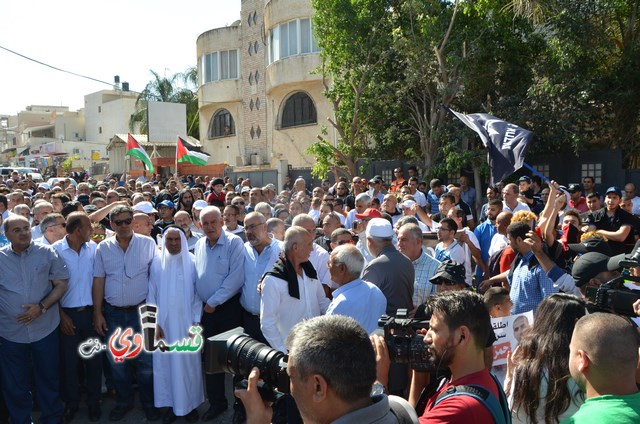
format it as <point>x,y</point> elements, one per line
<point>510,199</point>
<point>290,291</point>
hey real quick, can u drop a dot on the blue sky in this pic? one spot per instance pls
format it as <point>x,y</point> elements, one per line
<point>99,39</point>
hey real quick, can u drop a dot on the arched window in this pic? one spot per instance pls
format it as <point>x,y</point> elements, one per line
<point>298,110</point>
<point>222,124</point>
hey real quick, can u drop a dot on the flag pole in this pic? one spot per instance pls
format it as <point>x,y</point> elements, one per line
<point>532,169</point>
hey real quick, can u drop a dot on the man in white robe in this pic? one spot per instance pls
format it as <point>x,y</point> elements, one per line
<point>177,380</point>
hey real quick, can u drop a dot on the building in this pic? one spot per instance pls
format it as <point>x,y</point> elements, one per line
<point>259,103</point>
<point>107,112</point>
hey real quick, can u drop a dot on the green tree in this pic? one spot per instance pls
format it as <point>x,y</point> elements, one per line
<point>168,89</point>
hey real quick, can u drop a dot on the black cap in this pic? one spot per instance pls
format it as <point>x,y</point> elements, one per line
<point>593,263</point>
<point>84,199</point>
<point>377,178</point>
<point>525,178</point>
<point>574,187</point>
<point>451,271</point>
<point>217,181</point>
<point>592,244</point>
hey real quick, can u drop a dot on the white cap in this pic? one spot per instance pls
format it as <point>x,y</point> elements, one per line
<point>379,227</point>
<point>44,186</point>
<point>200,204</point>
<point>144,207</point>
<point>408,203</point>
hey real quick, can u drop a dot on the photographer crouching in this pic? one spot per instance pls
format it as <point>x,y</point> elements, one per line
<point>332,368</point>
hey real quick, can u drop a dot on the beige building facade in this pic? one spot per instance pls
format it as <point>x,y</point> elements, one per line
<point>259,102</point>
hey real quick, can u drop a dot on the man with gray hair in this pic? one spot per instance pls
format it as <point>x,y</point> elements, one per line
<point>425,266</point>
<point>355,298</point>
<point>291,291</point>
<point>318,257</point>
<point>265,209</point>
<point>40,210</point>
<point>362,202</point>
<point>52,228</point>
<point>327,390</point>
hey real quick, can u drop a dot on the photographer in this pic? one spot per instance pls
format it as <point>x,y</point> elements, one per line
<point>458,332</point>
<point>326,390</point>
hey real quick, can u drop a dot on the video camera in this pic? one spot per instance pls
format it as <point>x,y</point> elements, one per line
<point>236,353</point>
<point>405,342</point>
<point>613,296</point>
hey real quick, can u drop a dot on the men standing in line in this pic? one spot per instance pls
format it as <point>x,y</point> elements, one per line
<point>355,298</point>
<point>220,275</point>
<point>120,285</point>
<point>32,280</point>
<point>410,245</point>
<point>260,254</point>
<point>178,377</point>
<point>76,314</point>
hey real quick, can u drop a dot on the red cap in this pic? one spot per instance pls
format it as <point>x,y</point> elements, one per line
<point>369,213</point>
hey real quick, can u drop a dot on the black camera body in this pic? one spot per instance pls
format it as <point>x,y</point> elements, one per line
<point>236,353</point>
<point>405,342</point>
<point>613,296</point>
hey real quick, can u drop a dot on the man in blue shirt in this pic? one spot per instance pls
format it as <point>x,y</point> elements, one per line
<point>529,283</point>
<point>355,298</point>
<point>485,232</point>
<point>433,196</point>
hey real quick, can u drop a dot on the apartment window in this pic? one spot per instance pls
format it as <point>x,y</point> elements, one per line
<point>298,110</point>
<point>220,65</point>
<point>99,109</point>
<point>592,170</point>
<point>292,38</point>
<point>99,130</point>
<point>221,124</point>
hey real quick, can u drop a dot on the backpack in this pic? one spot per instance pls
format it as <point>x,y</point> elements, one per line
<point>493,263</point>
<point>499,409</point>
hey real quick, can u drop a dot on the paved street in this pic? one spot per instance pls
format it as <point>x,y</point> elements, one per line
<point>137,415</point>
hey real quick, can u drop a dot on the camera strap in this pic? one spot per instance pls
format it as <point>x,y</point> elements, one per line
<point>499,409</point>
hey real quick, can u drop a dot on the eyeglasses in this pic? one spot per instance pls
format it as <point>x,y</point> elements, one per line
<point>238,203</point>
<point>121,222</point>
<point>98,236</point>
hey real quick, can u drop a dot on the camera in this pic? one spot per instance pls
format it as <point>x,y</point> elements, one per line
<point>612,296</point>
<point>404,342</point>
<point>236,353</point>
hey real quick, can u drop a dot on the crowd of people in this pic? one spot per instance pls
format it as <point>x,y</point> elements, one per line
<point>78,259</point>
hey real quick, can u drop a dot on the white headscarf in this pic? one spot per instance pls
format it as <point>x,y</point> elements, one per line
<point>169,263</point>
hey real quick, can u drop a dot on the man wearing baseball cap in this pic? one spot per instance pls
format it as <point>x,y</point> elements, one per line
<point>577,200</point>
<point>360,231</point>
<point>594,269</point>
<point>613,222</point>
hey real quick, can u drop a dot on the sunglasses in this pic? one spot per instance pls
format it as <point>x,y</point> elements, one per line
<point>98,236</point>
<point>447,282</point>
<point>238,203</point>
<point>120,222</point>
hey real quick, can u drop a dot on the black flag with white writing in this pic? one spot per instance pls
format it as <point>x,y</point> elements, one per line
<point>506,143</point>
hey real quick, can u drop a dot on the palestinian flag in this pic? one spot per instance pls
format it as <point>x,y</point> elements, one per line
<point>134,149</point>
<point>185,155</point>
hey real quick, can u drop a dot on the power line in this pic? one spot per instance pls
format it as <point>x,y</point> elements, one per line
<point>54,67</point>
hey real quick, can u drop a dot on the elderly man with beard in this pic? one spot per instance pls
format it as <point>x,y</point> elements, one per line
<point>177,380</point>
<point>260,254</point>
<point>183,220</point>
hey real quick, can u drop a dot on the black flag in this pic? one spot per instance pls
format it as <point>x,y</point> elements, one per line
<point>506,143</point>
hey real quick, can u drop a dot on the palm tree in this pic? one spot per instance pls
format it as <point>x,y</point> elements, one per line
<point>163,89</point>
